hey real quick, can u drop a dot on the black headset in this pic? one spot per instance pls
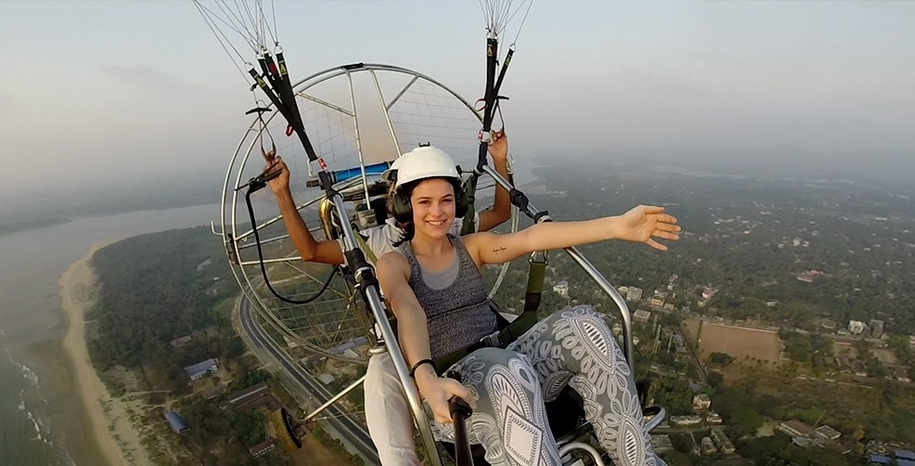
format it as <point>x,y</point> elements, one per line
<point>403,209</point>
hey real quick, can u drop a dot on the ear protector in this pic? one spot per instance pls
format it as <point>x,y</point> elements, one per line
<point>403,210</point>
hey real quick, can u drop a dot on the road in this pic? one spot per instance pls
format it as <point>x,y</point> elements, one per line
<point>692,352</point>
<point>352,431</point>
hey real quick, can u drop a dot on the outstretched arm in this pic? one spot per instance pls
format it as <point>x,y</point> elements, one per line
<point>641,225</point>
<point>501,208</point>
<point>413,334</point>
<point>326,252</point>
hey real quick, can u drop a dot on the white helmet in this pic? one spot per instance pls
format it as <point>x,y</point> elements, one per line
<point>425,162</point>
<point>390,175</point>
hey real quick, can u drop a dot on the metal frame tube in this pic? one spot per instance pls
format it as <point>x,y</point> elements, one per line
<point>263,242</point>
<point>613,294</point>
<point>334,399</point>
<point>352,98</point>
<point>373,299</point>
<point>387,116</point>
<point>400,94</point>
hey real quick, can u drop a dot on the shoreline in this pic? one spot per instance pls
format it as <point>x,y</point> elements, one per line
<point>117,440</point>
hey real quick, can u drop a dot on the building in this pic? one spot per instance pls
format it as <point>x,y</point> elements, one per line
<point>899,457</point>
<point>661,443</point>
<point>828,325</point>
<point>794,428</point>
<point>701,402</point>
<point>201,369</point>
<point>562,288</point>
<point>708,447</point>
<point>808,275</point>
<point>176,422</point>
<point>358,341</point>
<point>707,293</point>
<point>713,418</point>
<point>685,420</point>
<point>856,327</point>
<point>262,448</point>
<point>633,294</point>
<point>181,341</point>
<point>641,316</point>
<point>876,328</point>
<point>722,440</point>
<point>804,441</point>
<point>825,432</point>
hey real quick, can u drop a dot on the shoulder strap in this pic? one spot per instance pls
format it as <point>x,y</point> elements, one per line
<point>469,225</point>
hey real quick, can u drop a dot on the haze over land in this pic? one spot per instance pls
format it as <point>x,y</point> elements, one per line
<point>809,87</point>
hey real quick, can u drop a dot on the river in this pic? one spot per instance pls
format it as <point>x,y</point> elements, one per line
<point>40,424</point>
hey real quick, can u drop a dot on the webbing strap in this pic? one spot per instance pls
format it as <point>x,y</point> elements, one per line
<point>535,284</point>
<point>469,226</point>
<point>369,254</point>
<point>528,316</point>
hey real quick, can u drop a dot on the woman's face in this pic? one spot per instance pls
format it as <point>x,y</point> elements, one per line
<point>433,207</point>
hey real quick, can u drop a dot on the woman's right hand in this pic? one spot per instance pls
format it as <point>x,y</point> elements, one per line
<point>438,390</point>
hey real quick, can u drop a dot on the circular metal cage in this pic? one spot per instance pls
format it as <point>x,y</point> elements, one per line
<point>359,118</point>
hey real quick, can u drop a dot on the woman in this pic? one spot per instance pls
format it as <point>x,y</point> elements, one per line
<point>435,289</point>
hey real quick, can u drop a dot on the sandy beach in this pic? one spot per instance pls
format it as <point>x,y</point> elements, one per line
<point>118,440</point>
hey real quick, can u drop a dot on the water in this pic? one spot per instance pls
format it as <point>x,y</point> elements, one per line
<point>39,422</point>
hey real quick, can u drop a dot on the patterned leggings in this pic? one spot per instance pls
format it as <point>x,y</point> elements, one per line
<point>571,347</point>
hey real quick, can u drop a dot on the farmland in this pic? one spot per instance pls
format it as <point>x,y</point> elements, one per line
<point>738,342</point>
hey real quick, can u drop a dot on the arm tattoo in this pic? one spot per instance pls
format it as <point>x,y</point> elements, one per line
<point>498,250</point>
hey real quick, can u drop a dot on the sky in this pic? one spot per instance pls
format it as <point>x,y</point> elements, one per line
<point>121,91</point>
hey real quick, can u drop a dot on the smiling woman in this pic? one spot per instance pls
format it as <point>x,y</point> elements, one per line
<point>435,289</point>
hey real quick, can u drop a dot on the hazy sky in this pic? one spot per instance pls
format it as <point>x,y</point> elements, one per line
<point>139,89</point>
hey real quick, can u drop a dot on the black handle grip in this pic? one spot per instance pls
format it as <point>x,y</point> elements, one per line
<point>460,411</point>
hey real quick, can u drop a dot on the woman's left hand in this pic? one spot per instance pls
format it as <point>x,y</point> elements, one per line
<point>643,223</point>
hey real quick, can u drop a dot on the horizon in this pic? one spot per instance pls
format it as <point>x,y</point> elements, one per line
<point>750,82</point>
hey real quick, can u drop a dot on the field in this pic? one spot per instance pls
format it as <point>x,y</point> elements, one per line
<point>886,356</point>
<point>738,342</point>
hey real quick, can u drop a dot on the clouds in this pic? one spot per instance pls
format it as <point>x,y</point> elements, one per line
<point>7,105</point>
<point>144,88</point>
<point>147,79</point>
<point>635,108</point>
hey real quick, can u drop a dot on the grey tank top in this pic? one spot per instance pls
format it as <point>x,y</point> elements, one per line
<point>457,315</point>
